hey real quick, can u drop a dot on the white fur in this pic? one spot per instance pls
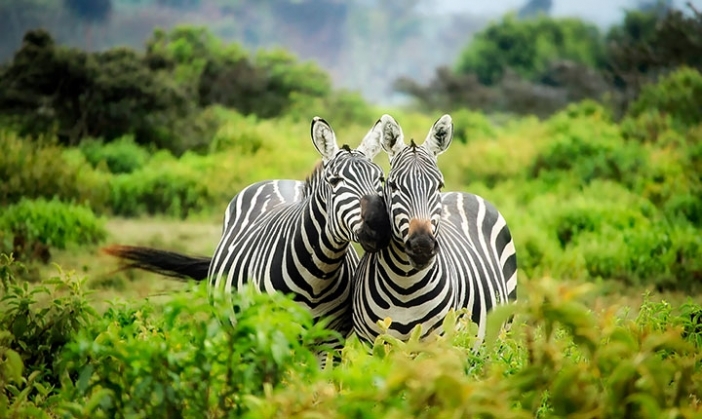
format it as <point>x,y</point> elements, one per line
<point>324,138</point>
<point>440,135</point>
<point>393,140</point>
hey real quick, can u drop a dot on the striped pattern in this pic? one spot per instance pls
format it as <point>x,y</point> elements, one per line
<point>294,237</point>
<point>448,250</point>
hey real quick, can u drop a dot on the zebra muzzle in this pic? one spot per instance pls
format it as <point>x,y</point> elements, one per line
<point>374,233</point>
<point>421,245</point>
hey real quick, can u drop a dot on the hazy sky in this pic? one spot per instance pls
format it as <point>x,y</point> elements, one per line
<point>601,12</point>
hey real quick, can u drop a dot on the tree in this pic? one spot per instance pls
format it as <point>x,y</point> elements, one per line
<point>107,94</point>
<point>649,44</point>
<point>529,46</point>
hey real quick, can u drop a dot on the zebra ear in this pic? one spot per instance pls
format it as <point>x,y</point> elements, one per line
<point>440,135</point>
<point>392,138</point>
<point>324,138</point>
<point>370,145</point>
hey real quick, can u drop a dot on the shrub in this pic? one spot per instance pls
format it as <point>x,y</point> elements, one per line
<point>660,255</point>
<point>589,147</point>
<point>165,186</point>
<point>559,360</point>
<point>33,334</point>
<point>188,361</point>
<point>528,46</point>
<point>53,223</point>
<point>678,96</point>
<point>122,155</point>
<point>340,108</point>
<point>470,125</point>
<point>239,132</point>
<point>40,169</point>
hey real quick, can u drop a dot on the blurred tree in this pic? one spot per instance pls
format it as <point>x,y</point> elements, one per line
<point>658,6</point>
<point>649,44</point>
<point>528,46</point>
<point>80,94</point>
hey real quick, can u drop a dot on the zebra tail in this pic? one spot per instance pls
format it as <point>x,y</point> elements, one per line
<point>164,262</point>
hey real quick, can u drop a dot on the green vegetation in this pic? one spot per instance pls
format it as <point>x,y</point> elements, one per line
<point>184,359</point>
<point>537,66</point>
<point>603,197</point>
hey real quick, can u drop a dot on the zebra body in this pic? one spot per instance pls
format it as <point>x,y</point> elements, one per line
<point>448,250</point>
<point>291,236</point>
<point>294,237</point>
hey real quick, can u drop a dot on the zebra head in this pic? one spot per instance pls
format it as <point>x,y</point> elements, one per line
<point>353,182</point>
<point>412,191</point>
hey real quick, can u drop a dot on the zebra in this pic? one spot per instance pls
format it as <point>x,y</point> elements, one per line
<point>291,236</point>
<point>448,250</point>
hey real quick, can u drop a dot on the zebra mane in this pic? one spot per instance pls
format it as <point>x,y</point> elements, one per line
<point>313,178</point>
<point>346,148</point>
<point>413,145</point>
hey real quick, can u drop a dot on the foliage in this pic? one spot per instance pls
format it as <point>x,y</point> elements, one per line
<point>187,361</point>
<point>36,323</point>
<point>539,65</point>
<point>560,359</point>
<point>51,223</point>
<point>651,43</point>
<point>226,75</point>
<point>589,149</point>
<point>166,186</point>
<point>104,94</point>
<point>529,46</point>
<point>122,155</point>
<point>678,96</point>
<point>184,358</point>
<point>39,168</point>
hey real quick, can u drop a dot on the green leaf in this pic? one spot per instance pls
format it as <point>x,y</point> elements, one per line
<point>495,321</point>
<point>14,365</point>
<point>84,378</point>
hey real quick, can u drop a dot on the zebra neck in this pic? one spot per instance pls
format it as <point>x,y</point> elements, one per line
<point>323,253</point>
<point>396,263</point>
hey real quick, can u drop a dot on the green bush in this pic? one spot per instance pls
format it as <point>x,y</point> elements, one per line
<point>470,125</point>
<point>529,46</point>
<point>559,360</point>
<point>661,255</point>
<point>35,325</point>
<point>341,108</point>
<point>165,186</point>
<point>122,155</point>
<point>678,96</point>
<point>38,168</point>
<point>53,223</point>
<point>185,359</point>
<point>188,361</point>
<point>240,133</point>
<point>590,148</point>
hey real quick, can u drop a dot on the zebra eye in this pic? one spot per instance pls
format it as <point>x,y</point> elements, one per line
<point>392,184</point>
<point>441,185</point>
<point>334,180</point>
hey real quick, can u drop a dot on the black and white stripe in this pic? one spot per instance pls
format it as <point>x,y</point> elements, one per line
<point>294,237</point>
<point>291,236</point>
<point>448,250</point>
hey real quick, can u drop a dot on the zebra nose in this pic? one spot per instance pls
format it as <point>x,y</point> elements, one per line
<point>374,233</point>
<point>421,248</point>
